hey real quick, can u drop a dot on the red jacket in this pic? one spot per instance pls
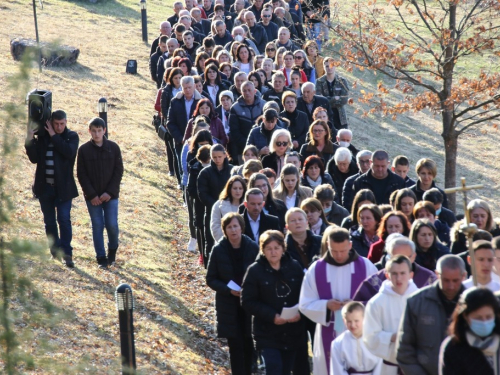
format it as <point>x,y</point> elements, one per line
<point>376,251</point>
<point>302,74</point>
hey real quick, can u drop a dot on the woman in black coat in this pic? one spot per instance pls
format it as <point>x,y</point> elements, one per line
<point>214,84</point>
<point>211,182</point>
<point>303,246</point>
<point>229,261</point>
<point>472,346</point>
<point>272,283</point>
<point>299,122</point>
<point>195,166</point>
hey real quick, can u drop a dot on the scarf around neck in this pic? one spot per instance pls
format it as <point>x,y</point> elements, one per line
<point>312,183</point>
<point>488,346</point>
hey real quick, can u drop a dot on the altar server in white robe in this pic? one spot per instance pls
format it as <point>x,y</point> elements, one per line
<point>329,284</point>
<point>385,310</point>
<point>348,354</point>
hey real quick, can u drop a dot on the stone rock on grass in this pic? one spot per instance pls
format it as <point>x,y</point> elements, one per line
<point>52,55</point>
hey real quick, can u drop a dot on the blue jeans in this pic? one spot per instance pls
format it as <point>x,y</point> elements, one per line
<point>57,212</point>
<point>278,362</point>
<point>315,31</point>
<point>104,215</point>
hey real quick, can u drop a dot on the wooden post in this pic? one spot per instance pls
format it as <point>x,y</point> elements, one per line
<point>468,228</point>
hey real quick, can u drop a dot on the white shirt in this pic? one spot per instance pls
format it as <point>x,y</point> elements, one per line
<point>348,351</point>
<point>245,68</point>
<point>381,323</point>
<point>290,201</point>
<point>493,285</point>
<point>254,225</point>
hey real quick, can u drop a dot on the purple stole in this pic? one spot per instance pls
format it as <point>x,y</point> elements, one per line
<point>328,334</point>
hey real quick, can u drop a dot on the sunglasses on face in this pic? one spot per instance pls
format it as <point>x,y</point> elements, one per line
<point>298,57</point>
<point>284,144</point>
<point>270,50</point>
<point>266,16</point>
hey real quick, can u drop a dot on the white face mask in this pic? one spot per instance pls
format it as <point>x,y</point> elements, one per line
<point>238,38</point>
<point>344,144</point>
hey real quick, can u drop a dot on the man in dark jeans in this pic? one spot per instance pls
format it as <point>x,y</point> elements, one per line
<point>100,170</point>
<point>54,153</point>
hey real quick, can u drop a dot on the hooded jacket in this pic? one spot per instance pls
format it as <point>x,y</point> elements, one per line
<point>381,323</point>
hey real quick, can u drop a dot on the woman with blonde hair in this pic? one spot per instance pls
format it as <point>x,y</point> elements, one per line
<point>480,214</point>
<point>312,51</point>
<point>290,190</point>
<point>281,143</point>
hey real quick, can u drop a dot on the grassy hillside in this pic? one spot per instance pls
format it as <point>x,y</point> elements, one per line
<point>174,313</point>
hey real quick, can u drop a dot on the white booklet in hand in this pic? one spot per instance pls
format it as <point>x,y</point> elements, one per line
<point>233,286</point>
<point>289,312</point>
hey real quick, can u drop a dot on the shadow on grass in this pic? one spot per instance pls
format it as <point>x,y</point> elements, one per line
<point>111,8</point>
<point>78,71</point>
<point>177,307</point>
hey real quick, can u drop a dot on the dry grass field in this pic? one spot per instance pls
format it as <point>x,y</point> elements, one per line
<point>174,310</point>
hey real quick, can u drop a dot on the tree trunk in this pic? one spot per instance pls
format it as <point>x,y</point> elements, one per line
<point>450,138</point>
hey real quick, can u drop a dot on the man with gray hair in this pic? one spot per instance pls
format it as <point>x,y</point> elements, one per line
<point>379,178</point>
<point>238,35</point>
<point>395,244</point>
<point>309,101</point>
<point>178,6</point>
<point>425,322</point>
<point>364,162</point>
<point>244,112</point>
<point>181,110</point>
<point>201,25</point>
<point>165,29</point>
<point>344,139</point>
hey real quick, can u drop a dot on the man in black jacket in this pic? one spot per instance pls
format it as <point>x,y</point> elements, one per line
<point>181,110</point>
<point>379,179</point>
<point>54,153</point>
<point>259,34</point>
<point>155,57</point>
<point>100,170</point>
<point>256,221</point>
<point>165,29</point>
<point>308,102</point>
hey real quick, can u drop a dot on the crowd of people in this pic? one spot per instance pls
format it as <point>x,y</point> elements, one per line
<point>306,238</point>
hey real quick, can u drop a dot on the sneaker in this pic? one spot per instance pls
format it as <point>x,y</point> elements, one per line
<point>192,245</point>
<point>68,261</point>
<point>102,262</point>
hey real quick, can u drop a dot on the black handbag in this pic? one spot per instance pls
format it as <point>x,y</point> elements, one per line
<point>156,122</point>
<point>162,132</point>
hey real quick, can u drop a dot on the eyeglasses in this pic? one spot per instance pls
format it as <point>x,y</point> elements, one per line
<point>318,130</point>
<point>292,153</point>
<point>364,161</point>
<point>298,57</point>
<point>279,144</point>
<point>266,16</point>
<point>270,49</point>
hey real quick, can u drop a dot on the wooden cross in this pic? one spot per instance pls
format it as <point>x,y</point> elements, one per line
<point>468,228</point>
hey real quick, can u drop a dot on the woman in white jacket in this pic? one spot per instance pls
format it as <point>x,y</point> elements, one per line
<point>229,201</point>
<point>381,323</point>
